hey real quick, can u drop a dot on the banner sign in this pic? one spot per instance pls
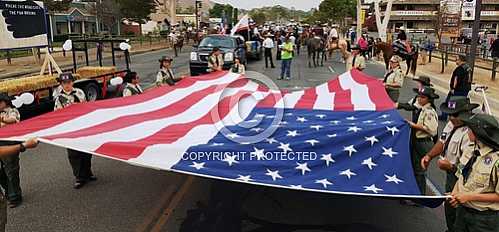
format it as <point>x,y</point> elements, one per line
<point>451,17</point>
<point>22,24</point>
<point>468,10</point>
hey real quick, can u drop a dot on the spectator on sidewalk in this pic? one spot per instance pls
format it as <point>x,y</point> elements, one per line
<point>494,49</point>
<point>460,83</point>
<point>394,79</point>
<point>287,57</point>
<point>268,45</point>
<point>426,49</point>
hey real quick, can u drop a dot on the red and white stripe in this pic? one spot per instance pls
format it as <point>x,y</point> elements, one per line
<point>156,128</point>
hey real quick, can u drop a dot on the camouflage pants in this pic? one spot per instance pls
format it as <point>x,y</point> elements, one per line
<point>470,220</point>
<point>450,212</point>
<point>418,150</point>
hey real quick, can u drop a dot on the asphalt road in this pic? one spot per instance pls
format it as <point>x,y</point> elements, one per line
<point>128,198</point>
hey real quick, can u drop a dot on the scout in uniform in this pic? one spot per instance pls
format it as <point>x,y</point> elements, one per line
<point>394,79</point>
<point>451,145</point>
<point>238,67</point>
<point>9,174</point>
<point>165,74</point>
<point>476,194</point>
<point>132,86</point>
<point>424,128</point>
<point>355,60</point>
<point>5,151</point>
<point>81,162</point>
<point>216,60</point>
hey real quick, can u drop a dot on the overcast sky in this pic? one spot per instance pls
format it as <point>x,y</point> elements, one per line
<point>249,4</point>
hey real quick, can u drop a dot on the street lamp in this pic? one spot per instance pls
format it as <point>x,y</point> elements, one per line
<point>198,6</point>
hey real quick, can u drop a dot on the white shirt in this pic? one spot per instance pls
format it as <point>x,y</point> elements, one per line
<point>333,33</point>
<point>293,39</point>
<point>268,43</point>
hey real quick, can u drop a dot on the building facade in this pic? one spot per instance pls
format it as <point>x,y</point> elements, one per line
<point>78,19</point>
<point>421,14</point>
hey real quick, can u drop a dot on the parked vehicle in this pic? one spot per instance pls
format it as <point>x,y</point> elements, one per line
<point>231,47</point>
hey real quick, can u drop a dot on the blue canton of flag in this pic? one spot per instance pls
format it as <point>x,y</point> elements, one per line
<point>361,152</point>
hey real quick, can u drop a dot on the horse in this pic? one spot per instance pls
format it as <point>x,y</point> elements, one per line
<point>178,45</point>
<point>387,49</point>
<point>316,48</point>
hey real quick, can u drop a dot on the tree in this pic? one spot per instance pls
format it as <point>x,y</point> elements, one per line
<point>57,5</point>
<point>258,16</point>
<point>109,14</point>
<point>217,11</point>
<point>137,10</point>
<point>382,25</point>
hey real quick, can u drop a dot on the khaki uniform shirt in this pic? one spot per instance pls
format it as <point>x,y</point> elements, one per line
<point>10,113</point>
<point>212,60</point>
<point>395,77</point>
<point>458,142</point>
<point>64,99</point>
<point>360,62</point>
<point>163,75</point>
<point>429,120</point>
<point>484,178</point>
<point>128,92</point>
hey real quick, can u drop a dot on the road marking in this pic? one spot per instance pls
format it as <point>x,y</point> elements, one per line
<point>155,211</point>
<point>166,214</point>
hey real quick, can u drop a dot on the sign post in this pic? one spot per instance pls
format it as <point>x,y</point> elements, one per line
<point>475,35</point>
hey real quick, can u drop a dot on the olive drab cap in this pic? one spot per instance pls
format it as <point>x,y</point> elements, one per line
<point>66,77</point>
<point>424,80</point>
<point>484,126</point>
<point>428,92</point>
<point>457,104</point>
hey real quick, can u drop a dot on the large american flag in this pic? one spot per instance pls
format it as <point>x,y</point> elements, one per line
<point>343,136</point>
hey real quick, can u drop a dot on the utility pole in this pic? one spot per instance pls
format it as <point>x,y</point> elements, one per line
<point>475,36</point>
<point>197,4</point>
<point>359,23</point>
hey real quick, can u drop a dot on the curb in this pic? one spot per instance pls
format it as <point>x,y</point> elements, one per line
<point>67,65</point>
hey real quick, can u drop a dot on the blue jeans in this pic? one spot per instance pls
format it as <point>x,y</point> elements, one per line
<point>286,68</point>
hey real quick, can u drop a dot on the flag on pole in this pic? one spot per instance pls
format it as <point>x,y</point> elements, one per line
<point>342,137</point>
<point>243,24</point>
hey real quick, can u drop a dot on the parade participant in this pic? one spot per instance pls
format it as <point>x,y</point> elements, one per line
<point>81,162</point>
<point>476,193</point>
<point>394,79</point>
<point>333,34</point>
<point>451,145</point>
<point>132,86</point>
<point>268,45</point>
<point>355,60</point>
<point>9,174</point>
<point>6,151</point>
<point>165,74</point>
<point>413,105</point>
<point>364,46</point>
<point>424,128</point>
<point>216,60</point>
<point>287,57</point>
<point>238,67</point>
